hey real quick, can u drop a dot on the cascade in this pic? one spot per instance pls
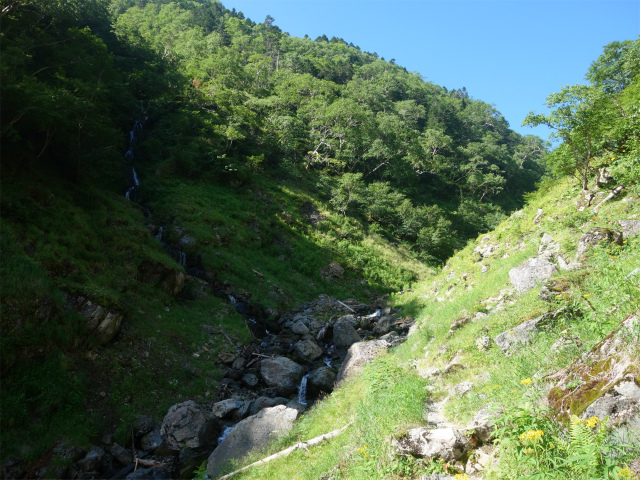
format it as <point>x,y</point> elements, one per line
<point>302,390</point>
<point>233,301</point>
<point>137,126</point>
<point>225,433</point>
<point>182,259</point>
<point>159,235</point>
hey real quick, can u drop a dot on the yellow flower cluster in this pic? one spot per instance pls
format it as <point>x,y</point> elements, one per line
<point>592,422</point>
<point>461,476</point>
<point>363,451</point>
<point>626,474</point>
<point>526,381</point>
<point>532,436</point>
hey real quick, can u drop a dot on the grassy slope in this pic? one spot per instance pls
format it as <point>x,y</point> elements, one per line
<point>391,397</point>
<point>67,237</point>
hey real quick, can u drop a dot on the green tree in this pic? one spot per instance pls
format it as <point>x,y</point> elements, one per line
<point>578,115</point>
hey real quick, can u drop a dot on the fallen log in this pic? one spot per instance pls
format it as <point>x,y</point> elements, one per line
<point>288,451</point>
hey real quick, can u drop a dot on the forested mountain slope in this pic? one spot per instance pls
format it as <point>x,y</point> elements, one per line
<point>160,156</point>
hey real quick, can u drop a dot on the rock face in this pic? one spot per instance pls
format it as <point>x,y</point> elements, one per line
<point>282,374</point>
<point>597,235</point>
<point>101,322</point>
<point>360,354</point>
<point>344,335</point>
<point>535,270</point>
<point>606,369</point>
<point>187,425</point>
<point>447,444</point>
<point>251,432</point>
<point>225,407</point>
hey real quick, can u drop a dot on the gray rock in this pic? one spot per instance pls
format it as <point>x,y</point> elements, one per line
<point>296,405</point>
<point>483,343</point>
<point>520,335</point>
<point>445,443</point>
<point>307,350</point>
<point>225,407</point>
<point>250,433</point>
<point>239,363</point>
<point>250,380</point>
<point>630,228</point>
<point>282,374</point>
<point>103,323</point>
<point>597,235</point>
<point>300,328</point>
<point>320,380</point>
<point>121,454</point>
<point>152,440</point>
<point>462,388</point>
<point>186,242</point>
<point>144,424</point>
<point>628,389</point>
<point>344,335</point>
<point>383,326</point>
<point>188,425</point>
<point>93,460</point>
<point>360,354</point>
<point>261,403</point>
<point>483,423</point>
<point>535,270</point>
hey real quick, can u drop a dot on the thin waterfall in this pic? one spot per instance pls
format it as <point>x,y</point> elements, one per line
<point>159,235</point>
<point>302,390</point>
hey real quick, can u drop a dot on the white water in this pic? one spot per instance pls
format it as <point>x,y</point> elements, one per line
<point>159,235</point>
<point>327,361</point>
<point>225,433</point>
<point>182,259</point>
<point>135,177</point>
<point>302,390</point>
<point>233,301</point>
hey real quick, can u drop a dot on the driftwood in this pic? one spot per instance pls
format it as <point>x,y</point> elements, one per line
<point>613,193</point>
<point>345,305</point>
<point>288,451</point>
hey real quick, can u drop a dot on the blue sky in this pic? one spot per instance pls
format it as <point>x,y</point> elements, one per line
<point>511,53</point>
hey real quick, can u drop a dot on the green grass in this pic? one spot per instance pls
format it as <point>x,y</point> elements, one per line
<point>599,297</point>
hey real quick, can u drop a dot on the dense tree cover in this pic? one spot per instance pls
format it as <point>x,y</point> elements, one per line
<point>228,98</point>
<point>598,123</point>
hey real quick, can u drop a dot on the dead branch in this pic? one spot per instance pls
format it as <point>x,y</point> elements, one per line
<point>613,193</point>
<point>288,451</point>
<point>347,306</point>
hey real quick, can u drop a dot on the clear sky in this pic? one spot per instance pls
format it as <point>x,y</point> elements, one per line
<point>510,53</point>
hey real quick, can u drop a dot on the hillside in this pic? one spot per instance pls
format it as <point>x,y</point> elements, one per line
<point>189,196</point>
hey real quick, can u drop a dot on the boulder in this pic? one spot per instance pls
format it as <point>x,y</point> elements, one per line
<point>250,433</point>
<point>535,270</point>
<point>523,333</point>
<point>383,326</point>
<point>447,444</point>
<point>225,407</point>
<point>152,440</point>
<point>188,425</point>
<point>250,380</point>
<point>483,423</point>
<point>261,403</point>
<point>630,228</point>
<point>169,279</point>
<point>92,462</point>
<point>307,350</point>
<point>597,235</point>
<point>320,380</point>
<point>121,454</point>
<point>299,328</point>
<point>344,335</point>
<point>360,354</point>
<point>282,374</point>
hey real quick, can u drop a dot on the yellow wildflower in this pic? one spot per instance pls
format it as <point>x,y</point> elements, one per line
<point>531,436</point>
<point>461,476</point>
<point>576,421</point>
<point>528,451</point>
<point>592,422</point>
<point>526,381</point>
<point>626,474</point>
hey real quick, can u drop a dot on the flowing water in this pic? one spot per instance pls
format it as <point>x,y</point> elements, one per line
<point>302,390</point>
